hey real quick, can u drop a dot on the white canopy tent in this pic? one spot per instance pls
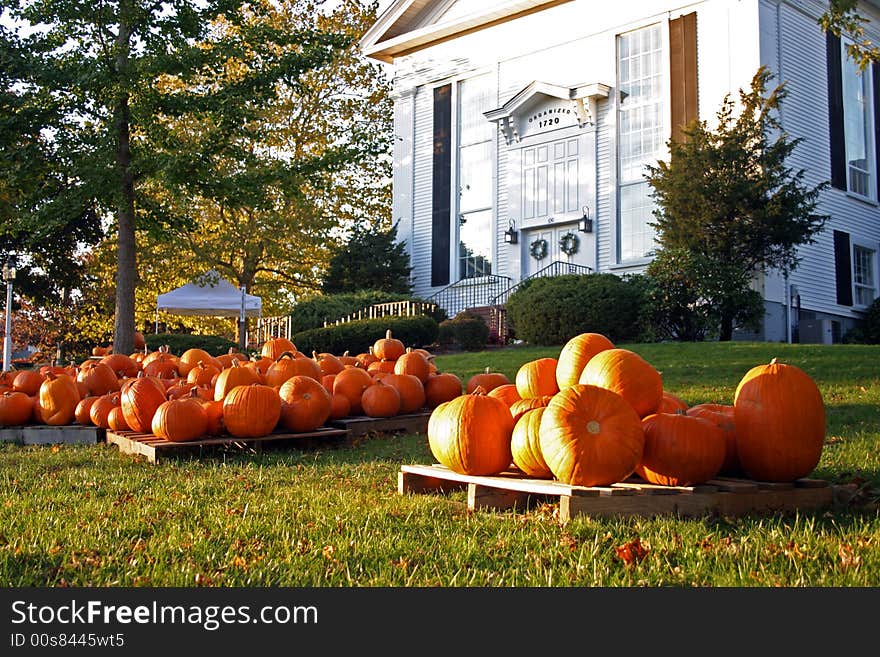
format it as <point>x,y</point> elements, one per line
<point>209,295</point>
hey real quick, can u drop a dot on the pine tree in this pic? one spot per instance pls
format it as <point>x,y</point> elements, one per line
<point>372,259</point>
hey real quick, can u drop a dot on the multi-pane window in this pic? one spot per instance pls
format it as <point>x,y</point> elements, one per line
<point>864,277</point>
<point>640,137</point>
<point>857,125</point>
<point>476,140</point>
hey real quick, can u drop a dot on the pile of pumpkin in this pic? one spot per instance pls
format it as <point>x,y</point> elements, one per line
<point>598,414</point>
<point>186,397</point>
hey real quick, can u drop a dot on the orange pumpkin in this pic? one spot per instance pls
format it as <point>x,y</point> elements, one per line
<point>28,381</point>
<point>352,382</point>
<point>225,360</point>
<point>327,363</point>
<point>100,409</point>
<point>139,400</point>
<point>487,380</point>
<point>780,422</point>
<point>192,357</point>
<point>388,348</point>
<point>721,416</point>
<point>525,445</point>
<point>274,347</point>
<point>680,450</point>
<point>16,408</point>
<point>536,378</point>
<point>381,400</point>
<point>340,407</point>
<point>251,411</point>
<point>629,375</point>
<point>238,374</point>
<point>81,414</point>
<point>521,406</point>
<point>116,420</point>
<point>506,393</point>
<point>670,403</point>
<point>414,363</point>
<point>57,399</point>
<point>97,377</point>
<point>305,404</point>
<point>591,436</point>
<point>123,366</point>
<point>180,420</point>
<point>442,388</point>
<point>410,389</point>
<point>575,354</point>
<point>202,373</point>
<point>471,434</point>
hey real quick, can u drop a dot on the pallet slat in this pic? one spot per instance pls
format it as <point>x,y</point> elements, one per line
<point>726,496</point>
<point>154,448</point>
<point>41,434</point>
<point>363,424</point>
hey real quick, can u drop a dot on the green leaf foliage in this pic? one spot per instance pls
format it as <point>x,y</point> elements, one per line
<point>552,310</point>
<point>358,336</point>
<point>372,258</point>
<point>727,198</point>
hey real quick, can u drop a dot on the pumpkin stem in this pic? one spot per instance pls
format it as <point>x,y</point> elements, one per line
<point>286,353</point>
<point>773,361</point>
<point>388,334</point>
<point>479,390</point>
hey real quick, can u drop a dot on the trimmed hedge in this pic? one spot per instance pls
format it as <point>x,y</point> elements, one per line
<point>468,331</point>
<point>357,337</point>
<point>550,311</point>
<point>313,312</point>
<point>180,342</point>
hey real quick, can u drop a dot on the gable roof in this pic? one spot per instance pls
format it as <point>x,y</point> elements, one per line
<point>407,26</point>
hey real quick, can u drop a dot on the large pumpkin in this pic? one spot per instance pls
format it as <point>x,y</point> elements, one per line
<point>575,354</point>
<point>411,391</point>
<point>525,445</point>
<point>629,375</point>
<point>100,409</point>
<point>180,420</point>
<point>536,378</point>
<point>471,434</point>
<point>305,404</point>
<point>780,422</point>
<point>251,411</point>
<point>380,400</point>
<point>274,347</point>
<point>123,366</point>
<point>352,382</point>
<point>139,400</point>
<point>287,365</point>
<point>680,450</point>
<point>98,377</point>
<point>57,400</point>
<point>591,436</point>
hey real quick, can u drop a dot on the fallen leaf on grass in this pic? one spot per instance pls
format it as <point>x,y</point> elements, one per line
<point>848,558</point>
<point>631,552</point>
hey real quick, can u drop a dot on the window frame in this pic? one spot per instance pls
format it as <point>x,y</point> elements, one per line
<point>873,250</point>
<point>870,149</point>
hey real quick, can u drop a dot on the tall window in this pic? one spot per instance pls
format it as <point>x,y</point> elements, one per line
<point>858,127</point>
<point>476,141</point>
<point>864,279</point>
<point>640,137</point>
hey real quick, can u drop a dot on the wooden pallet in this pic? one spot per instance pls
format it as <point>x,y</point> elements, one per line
<point>43,434</point>
<point>360,425</point>
<point>154,448</point>
<point>634,497</point>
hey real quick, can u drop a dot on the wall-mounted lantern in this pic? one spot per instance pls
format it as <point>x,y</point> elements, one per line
<point>585,223</point>
<point>511,236</point>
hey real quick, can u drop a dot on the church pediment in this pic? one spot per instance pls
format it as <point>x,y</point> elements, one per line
<point>543,107</point>
<point>411,25</point>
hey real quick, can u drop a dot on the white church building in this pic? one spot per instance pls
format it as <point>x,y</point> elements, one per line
<point>522,129</point>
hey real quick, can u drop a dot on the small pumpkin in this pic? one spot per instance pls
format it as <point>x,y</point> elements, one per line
<point>16,408</point>
<point>442,388</point>
<point>506,393</point>
<point>139,400</point>
<point>274,347</point>
<point>352,382</point>
<point>388,348</point>
<point>521,406</point>
<point>381,400</point>
<point>100,409</point>
<point>410,389</point>
<point>721,415</point>
<point>238,374</point>
<point>414,363</point>
<point>487,380</point>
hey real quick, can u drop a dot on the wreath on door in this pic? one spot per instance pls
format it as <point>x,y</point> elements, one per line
<point>569,243</point>
<point>538,249</point>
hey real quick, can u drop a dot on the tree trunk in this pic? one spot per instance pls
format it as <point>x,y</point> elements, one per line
<point>726,334</point>
<point>126,258</point>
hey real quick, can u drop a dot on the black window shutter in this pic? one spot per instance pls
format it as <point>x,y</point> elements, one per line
<point>441,186</point>
<point>875,74</point>
<point>835,111</point>
<point>843,268</point>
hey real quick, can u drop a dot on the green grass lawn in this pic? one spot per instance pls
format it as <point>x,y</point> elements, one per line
<point>332,517</point>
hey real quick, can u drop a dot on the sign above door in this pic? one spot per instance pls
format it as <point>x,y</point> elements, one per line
<point>542,107</point>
